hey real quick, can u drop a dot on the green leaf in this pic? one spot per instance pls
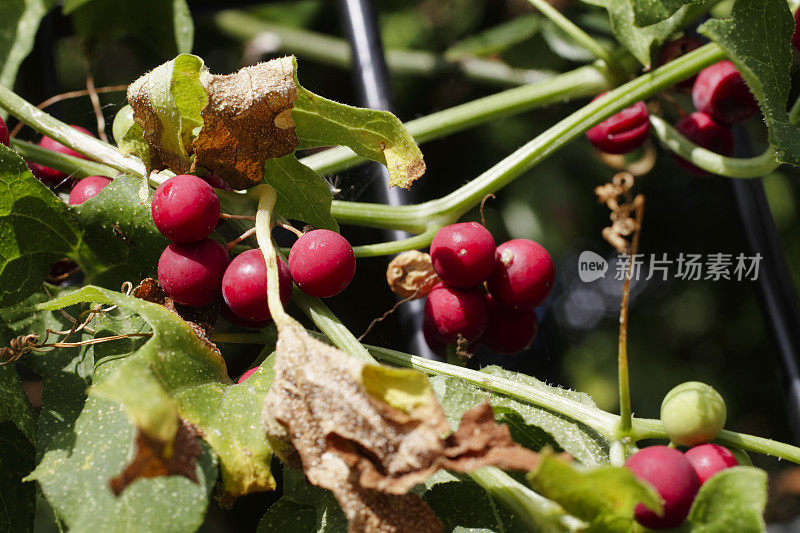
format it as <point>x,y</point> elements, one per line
<point>14,404</point>
<point>642,41</point>
<point>376,135</point>
<point>167,103</point>
<point>19,21</point>
<point>129,136</point>
<point>604,496</point>
<point>757,38</point>
<point>74,475</point>
<point>302,193</point>
<point>162,25</point>
<point>531,426</point>
<point>17,499</point>
<point>732,500</point>
<point>654,11</point>
<point>303,507</point>
<point>184,376</point>
<point>28,208</point>
<point>496,39</point>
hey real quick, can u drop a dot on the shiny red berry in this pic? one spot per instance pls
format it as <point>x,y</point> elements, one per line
<point>523,275</point>
<point>452,312</point>
<point>704,131</point>
<point>88,187</point>
<point>5,138</point>
<point>322,263</point>
<point>463,254</point>
<point>675,49</point>
<point>185,208</point>
<point>429,333</point>
<point>622,133</point>
<point>244,285</point>
<point>672,475</point>
<point>191,273</point>
<point>510,330</point>
<point>720,92</point>
<point>708,459</point>
<point>51,175</point>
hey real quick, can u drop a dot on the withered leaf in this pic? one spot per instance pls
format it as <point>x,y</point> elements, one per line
<point>248,119</point>
<point>155,458</point>
<point>369,434</point>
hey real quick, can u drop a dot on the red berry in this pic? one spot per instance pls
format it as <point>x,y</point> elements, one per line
<point>233,318</point>
<point>523,275</point>
<point>463,254</point>
<point>796,34</point>
<point>622,133</point>
<point>52,175</point>
<point>185,208</point>
<point>429,332</point>
<point>720,92</point>
<point>452,312</point>
<point>702,130</point>
<point>708,459</point>
<point>247,374</point>
<point>322,263</point>
<point>671,474</point>
<point>674,50</point>
<point>244,285</point>
<point>88,187</point>
<point>510,330</point>
<point>4,136</point>
<point>191,273</point>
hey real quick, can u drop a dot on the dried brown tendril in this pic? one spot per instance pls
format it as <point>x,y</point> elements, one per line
<point>18,347</point>
<point>411,274</point>
<point>617,196</point>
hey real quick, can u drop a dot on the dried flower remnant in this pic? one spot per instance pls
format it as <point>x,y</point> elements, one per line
<point>616,195</point>
<point>411,275</point>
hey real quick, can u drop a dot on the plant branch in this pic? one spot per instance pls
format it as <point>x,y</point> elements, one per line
<point>74,166</point>
<point>395,247</point>
<point>580,37</point>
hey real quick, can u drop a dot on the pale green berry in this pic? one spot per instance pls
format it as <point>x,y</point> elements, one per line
<point>693,413</point>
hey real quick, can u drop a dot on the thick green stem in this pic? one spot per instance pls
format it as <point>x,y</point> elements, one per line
<point>395,247</point>
<point>580,37</point>
<point>336,52</point>
<point>581,82</point>
<point>752,167</point>
<point>74,166</point>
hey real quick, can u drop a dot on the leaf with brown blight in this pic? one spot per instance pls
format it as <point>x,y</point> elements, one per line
<point>370,433</point>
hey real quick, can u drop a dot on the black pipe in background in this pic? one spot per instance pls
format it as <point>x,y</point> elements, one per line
<point>371,77</point>
<point>777,293</point>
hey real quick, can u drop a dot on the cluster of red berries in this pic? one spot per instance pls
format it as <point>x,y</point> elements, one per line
<point>488,293</point>
<point>194,269</point>
<point>721,99</point>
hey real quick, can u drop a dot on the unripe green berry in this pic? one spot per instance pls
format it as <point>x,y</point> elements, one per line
<point>693,413</point>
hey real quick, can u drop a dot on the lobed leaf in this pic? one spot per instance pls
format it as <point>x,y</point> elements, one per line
<point>732,500</point>
<point>186,377</point>
<point>654,11</point>
<point>302,193</point>
<point>303,507</point>
<point>757,38</point>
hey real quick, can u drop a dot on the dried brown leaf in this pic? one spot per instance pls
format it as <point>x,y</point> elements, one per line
<point>369,434</point>
<point>247,120</point>
<point>155,458</point>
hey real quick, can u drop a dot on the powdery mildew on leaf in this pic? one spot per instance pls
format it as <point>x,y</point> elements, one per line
<point>248,119</point>
<point>370,434</point>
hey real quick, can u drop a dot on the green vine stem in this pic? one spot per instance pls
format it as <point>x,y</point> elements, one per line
<point>752,167</point>
<point>336,52</point>
<point>74,166</point>
<point>395,247</point>
<point>580,37</point>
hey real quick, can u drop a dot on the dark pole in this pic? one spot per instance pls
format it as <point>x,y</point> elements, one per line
<point>777,293</point>
<point>374,91</point>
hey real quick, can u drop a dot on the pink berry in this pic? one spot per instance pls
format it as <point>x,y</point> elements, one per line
<point>429,332</point>
<point>322,263</point>
<point>244,285</point>
<point>704,131</point>
<point>510,330</point>
<point>88,187</point>
<point>52,175</point>
<point>622,133</point>
<point>523,275</point>
<point>675,49</point>
<point>720,92</point>
<point>191,273</point>
<point>452,312</point>
<point>796,34</point>
<point>5,138</point>
<point>463,254</point>
<point>247,374</point>
<point>672,475</point>
<point>185,208</point>
<point>708,459</point>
